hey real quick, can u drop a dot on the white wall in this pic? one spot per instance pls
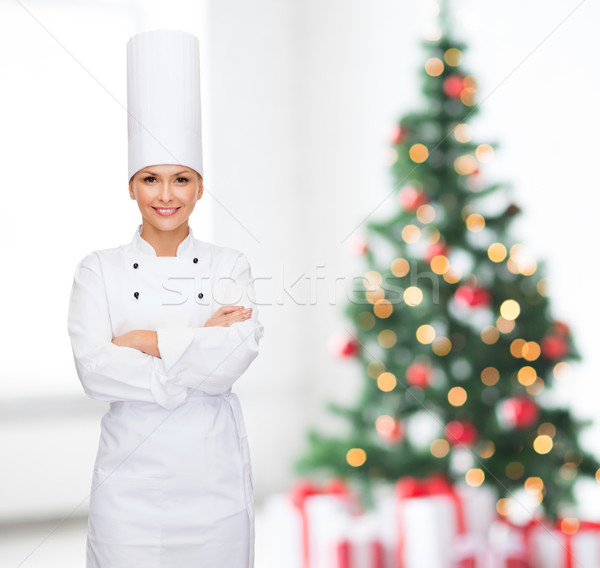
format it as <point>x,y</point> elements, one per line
<point>299,100</point>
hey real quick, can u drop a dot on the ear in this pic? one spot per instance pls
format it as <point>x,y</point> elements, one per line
<point>131,192</point>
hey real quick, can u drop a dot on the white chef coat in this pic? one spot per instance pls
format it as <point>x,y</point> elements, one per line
<point>172,481</point>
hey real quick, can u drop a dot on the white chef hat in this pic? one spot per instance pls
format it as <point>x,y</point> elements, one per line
<point>163,100</point>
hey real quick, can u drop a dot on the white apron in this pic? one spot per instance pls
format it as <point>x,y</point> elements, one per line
<point>172,482</point>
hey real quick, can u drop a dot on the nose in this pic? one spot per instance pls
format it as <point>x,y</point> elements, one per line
<point>166,193</point>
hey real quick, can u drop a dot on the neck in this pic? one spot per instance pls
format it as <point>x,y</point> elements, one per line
<point>165,243</point>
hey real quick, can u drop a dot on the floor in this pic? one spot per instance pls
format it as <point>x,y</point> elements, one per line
<point>54,545</point>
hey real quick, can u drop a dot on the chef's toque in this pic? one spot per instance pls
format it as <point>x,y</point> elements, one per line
<point>163,100</point>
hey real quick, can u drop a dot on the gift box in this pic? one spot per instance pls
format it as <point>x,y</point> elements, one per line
<point>305,524</point>
<point>441,525</point>
<point>510,544</point>
<point>568,543</point>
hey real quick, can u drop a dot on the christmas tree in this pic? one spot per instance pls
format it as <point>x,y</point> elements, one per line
<point>452,323</point>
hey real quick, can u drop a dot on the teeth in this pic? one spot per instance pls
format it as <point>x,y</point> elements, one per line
<point>165,210</point>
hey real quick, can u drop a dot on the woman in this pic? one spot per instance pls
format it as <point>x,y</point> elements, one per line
<point>161,328</point>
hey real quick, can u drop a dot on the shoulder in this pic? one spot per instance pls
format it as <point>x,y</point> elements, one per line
<point>95,259</point>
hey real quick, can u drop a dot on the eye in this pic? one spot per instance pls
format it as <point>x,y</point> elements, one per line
<point>185,180</point>
<point>148,178</point>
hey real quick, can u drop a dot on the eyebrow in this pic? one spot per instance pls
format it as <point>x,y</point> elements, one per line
<point>158,175</point>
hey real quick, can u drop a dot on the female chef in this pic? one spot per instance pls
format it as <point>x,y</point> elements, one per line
<point>161,328</point>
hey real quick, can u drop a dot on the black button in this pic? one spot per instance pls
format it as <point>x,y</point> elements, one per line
<point>195,260</point>
<point>200,295</point>
<point>136,294</point>
<point>135,265</point>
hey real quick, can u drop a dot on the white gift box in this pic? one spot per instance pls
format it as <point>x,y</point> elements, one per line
<point>429,534</point>
<point>553,548</point>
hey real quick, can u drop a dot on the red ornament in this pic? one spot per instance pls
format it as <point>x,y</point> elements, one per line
<point>554,347</point>
<point>344,346</point>
<point>520,412</point>
<point>435,249</point>
<point>461,432</point>
<point>399,134</point>
<point>412,198</point>
<point>453,86</point>
<point>561,328</point>
<point>419,375</point>
<point>472,296</point>
<point>392,432</point>
<point>359,247</point>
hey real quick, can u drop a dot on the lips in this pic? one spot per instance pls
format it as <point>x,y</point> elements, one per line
<point>166,211</point>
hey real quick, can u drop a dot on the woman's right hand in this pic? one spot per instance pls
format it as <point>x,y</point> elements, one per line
<point>226,315</point>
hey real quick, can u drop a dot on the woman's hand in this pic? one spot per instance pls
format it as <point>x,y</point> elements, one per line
<point>226,315</point>
<point>142,339</point>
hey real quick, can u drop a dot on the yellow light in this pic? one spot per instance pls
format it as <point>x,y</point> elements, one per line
<point>487,450</point>
<point>439,448</point>
<point>516,347</point>
<point>467,96</point>
<point>503,506</point>
<point>505,326</point>
<point>411,233</point>
<point>439,264</point>
<point>497,252</point>
<point>543,444</point>
<point>510,309</point>
<point>457,396</point>
<point>561,371</point>
<point>536,388</point>
<point>400,267</point>
<point>453,275</point>
<point>489,335</point>
<point>425,333</point>
<point>425,213</point>
<point>542,287</point>
<point>418,153</point>
<point>484,153</point>
<point>475,222</point>
<point>386,381</point>
<point>366,320</point>
<point>413,296</point>
<point>373,295</point>
<point>441,346</point>
<point>533,485</point>
<point>372,279</point>
<point>387,338</point>
<point>531,351</point>
<point>597,476</point>
<point>462,132</point>
<point>434,66</point>
<point>374,369</point>
<point>514,470</point>
<point>569,525</point>
<point>356,457</point>
<point>465,165</point>
<point>383,309</point>
<point>453,56</point>
<point>490,376</point>
<point>527,375</point>
<point>547,428</point>
<point>475,477</point>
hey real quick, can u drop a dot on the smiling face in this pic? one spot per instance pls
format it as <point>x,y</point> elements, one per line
<point>166,194</point>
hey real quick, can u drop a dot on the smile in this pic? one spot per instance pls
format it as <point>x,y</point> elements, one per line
<point>166,212</point>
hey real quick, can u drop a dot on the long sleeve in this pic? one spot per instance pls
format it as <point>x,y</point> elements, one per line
<point>213,358</point>
<point>107,371</point>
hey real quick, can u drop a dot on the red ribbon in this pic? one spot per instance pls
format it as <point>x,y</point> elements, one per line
<point>526,530</point>
<point>569,556</point>
<point>304,489</point>
<point>411,488</point>
<point>344,554</point>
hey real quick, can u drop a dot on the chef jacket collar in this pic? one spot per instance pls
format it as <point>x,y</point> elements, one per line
<point>145,247</point>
